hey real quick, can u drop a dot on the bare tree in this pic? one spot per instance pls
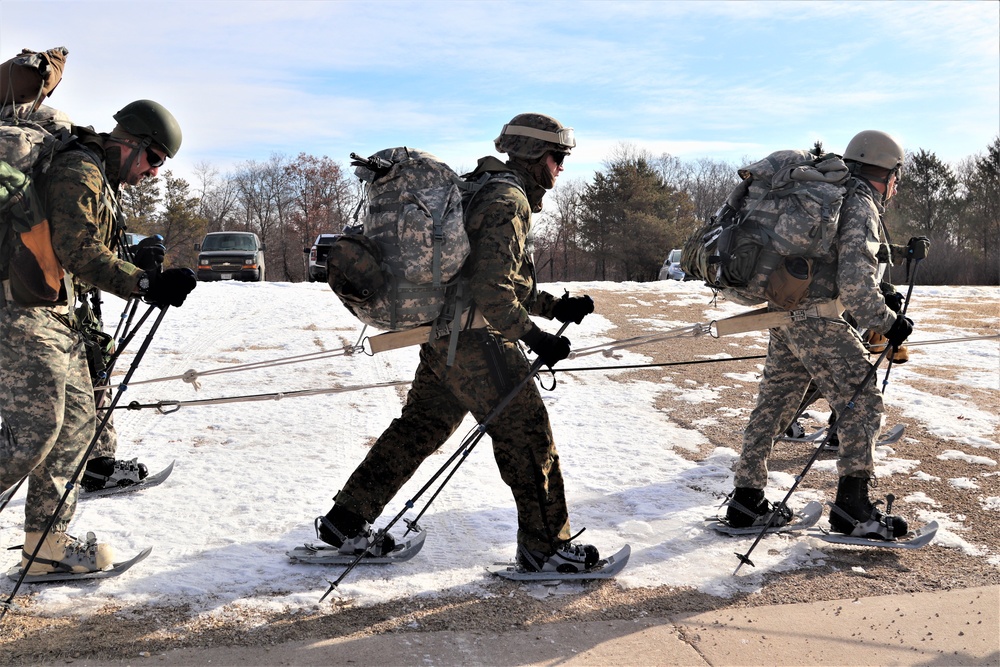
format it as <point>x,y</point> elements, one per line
<point>216,197</point>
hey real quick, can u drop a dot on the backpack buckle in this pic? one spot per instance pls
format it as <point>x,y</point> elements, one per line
<point>799,315</point>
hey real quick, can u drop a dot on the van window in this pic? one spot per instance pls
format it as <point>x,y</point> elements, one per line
<point>675,256</point>
<point>228,242</point>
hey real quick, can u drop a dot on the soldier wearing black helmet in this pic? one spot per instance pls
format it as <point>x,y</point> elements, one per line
<point>829,353</point>
<point>487,365</point>
<point>46,394</point>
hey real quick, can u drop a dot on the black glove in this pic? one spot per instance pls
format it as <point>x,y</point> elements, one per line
<point>918,247</point>
<point>149,253</point>
<point>573,308</point>
<point>170,287</point>
<point>899,331</point>
<point>894,300</point>
<point>551,349</point>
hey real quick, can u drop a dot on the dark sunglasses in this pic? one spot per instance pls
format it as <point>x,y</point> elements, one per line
<point>153,158</point>
<point>558,157</point>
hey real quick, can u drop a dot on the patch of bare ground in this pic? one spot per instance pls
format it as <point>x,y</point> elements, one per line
<point>26,637</point>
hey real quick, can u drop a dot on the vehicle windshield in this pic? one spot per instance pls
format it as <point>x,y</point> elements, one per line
<point>675,256</point>
<point>229,242</point>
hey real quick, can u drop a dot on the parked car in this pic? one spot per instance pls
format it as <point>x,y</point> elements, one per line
<point>230,256</point>
<point>671,269</point>
<point>131,242</point>
<point>317,257</point>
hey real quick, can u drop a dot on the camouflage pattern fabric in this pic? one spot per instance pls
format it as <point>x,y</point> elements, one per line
<point>47,405</point>
<point>438,400</point>
<point>26,134</point>
<point>500,270</point>
<point>47,398</point>
<point>502,278</point>
<point>415,216</point>
<point>107,441</point>
<point>81,215</point>
<point>831,353</point>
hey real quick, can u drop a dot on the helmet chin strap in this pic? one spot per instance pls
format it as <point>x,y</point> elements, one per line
<point>137,149</point>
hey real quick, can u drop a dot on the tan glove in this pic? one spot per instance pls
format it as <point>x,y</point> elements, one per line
<point>877,342</point>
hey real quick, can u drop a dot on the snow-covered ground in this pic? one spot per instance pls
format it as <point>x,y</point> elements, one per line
<point>250,476</point>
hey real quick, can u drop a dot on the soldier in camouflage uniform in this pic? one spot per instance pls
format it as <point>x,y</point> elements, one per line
<point>46,395</point>
<point>488,364</point>
<point>831,353</point>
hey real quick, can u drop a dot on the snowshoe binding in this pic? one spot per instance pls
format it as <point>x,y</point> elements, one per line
<point>796,431</point>
<point>105,472</point>
<point>63,553</point>
<point>351,534</point>
<point>566,558</point>
<point>750,508</point>
<point>855,515</point>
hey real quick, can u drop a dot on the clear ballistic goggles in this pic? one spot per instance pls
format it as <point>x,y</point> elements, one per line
<point>563,137</point>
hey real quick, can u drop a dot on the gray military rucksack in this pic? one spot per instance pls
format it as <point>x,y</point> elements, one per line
<point>400,266</point>
<point>775,231</point>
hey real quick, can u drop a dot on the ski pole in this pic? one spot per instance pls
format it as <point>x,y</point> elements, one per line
<point>83,461</point>
<point>906,304</point>
<point>7,495</point>
<point>745,558</point>
<point>125,319</point>
<point>464,449</point>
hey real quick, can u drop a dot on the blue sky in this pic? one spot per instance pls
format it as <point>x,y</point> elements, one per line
<point>693,79</point>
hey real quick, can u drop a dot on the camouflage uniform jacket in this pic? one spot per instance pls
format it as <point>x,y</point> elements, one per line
<point>859,238</point>
<point>82,208</point>
<point>500,268</point>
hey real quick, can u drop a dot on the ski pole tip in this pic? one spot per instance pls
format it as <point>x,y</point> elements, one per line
<point>744,560</point>
<point>328,591</point>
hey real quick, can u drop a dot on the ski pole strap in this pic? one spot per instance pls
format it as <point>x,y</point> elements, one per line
<point>764,318</point>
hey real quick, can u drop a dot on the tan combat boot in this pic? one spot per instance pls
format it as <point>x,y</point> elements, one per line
<point>64,553</point>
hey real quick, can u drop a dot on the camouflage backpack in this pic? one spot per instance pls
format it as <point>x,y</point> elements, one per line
<point>30,136</point>
<point>29,140</point>
<point>400,268</point>
<point>774,233</point>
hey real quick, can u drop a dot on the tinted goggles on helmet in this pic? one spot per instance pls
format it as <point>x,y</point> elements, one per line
<point>563,137</point>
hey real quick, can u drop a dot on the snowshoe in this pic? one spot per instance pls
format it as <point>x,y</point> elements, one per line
<point>605,568</point>
<point>354,535</point>
<point>105,472</point>
<point>749,508</point>
<point>804,519</point>
<point>855,515</point>
<point>63,553</point>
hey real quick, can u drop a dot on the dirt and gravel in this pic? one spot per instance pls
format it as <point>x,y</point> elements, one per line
<point>29,636</point>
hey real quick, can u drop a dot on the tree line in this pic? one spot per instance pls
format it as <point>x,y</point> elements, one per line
<point>619,226</point>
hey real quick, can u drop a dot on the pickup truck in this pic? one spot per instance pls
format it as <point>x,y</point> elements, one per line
<point>317,257</point>
<point>230,256</point>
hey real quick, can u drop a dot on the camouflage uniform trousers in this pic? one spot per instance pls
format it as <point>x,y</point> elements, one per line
<point>438,400</point>
<point>107,441</point>
<point>47,404</point>
<point>830,353</point>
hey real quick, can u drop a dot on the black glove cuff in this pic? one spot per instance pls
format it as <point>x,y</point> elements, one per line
<point>533,336</point>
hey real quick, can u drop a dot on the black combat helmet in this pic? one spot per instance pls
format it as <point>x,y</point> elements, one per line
<point>149,120</point>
